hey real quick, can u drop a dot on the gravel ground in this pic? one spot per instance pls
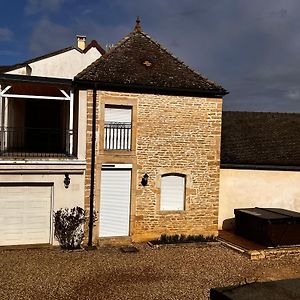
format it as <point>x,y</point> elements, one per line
<point>182,272</point>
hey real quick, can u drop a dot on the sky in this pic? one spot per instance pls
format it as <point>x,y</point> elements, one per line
<point>251,48</point>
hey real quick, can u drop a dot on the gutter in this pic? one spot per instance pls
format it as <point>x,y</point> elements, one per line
<point>106,86</point>
<point>259,167</point>
<point>35,79</point>
<point>92,187</point>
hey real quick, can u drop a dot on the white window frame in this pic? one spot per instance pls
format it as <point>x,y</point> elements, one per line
<point>172,197</point>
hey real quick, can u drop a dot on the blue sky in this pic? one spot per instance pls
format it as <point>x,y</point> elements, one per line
<point>252,47</point>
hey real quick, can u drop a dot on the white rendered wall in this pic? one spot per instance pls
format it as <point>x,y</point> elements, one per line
<point>251,188</point>
<point>63,65</point>
<point>62,197</point>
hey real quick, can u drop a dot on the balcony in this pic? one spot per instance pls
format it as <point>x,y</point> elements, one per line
<point>35,142</point>
<point>117,136</point>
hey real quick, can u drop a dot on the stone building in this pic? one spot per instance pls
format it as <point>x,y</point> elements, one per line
<point>152,143</point>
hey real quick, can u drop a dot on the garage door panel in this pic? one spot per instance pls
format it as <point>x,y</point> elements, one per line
<point>12,238</point>
<point>35,235</point>
<point>26,215</point>
<point>42,204</point>
<point>13,221</point>
<point>36,221</point>
<point>12,205</point>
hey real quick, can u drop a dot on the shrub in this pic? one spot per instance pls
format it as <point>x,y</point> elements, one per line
<point>174,239</point>
<point>68,227</point>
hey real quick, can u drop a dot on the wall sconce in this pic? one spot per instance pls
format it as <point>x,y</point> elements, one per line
<point>67,180</point>
<point>144,181</point>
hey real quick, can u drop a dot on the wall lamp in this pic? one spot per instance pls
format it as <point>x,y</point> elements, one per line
<point>67,180</point>
<point>144,181</point>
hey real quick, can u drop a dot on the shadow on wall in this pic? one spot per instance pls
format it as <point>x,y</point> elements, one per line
<point>228,224</point>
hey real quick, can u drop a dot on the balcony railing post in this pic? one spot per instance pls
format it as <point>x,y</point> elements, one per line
<point>3,120</point>
<point>117,136</point>
<point>71,117</point>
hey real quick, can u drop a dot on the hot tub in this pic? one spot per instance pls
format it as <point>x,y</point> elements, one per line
<point>268,226</point>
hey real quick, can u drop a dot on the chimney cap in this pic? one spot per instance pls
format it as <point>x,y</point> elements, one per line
<point>81,36</point>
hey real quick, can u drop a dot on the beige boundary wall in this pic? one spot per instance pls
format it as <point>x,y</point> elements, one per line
<point>171,134</point>
<point>256,188</point>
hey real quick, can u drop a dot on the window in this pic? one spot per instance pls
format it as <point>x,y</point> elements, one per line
<point>172,192</point>
<point>117,128</point>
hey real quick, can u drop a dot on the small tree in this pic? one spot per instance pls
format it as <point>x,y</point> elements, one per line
<point>68,224</point>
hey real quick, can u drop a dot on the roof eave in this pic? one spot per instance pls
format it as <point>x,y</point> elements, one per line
<point>85,84</point>
<point>35,79</point>
<point>259,167</point>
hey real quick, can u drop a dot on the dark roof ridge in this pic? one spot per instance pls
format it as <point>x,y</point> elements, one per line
<point>96,45</point>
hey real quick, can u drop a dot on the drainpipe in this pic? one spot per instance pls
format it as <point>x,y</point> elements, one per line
<point>91,223</point>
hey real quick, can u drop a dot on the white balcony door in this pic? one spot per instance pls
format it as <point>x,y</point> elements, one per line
<point>115,202</point>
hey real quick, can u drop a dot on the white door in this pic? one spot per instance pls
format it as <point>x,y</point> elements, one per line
<point>115,202</point>
<point>25,215</point>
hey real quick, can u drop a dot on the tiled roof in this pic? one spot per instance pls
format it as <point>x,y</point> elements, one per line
<point>4,69</point>
<point>94,44</point>
<point>256,138</point>
<point>138,61</point>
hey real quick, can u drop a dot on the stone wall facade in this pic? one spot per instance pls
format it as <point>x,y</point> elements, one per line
<point>170,134</point>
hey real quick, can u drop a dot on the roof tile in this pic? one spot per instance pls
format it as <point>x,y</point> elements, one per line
<point>139,61</point>
<point>259,138</point>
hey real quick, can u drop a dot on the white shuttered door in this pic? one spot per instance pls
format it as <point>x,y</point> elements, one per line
<point>25,213</point>
<point>172,192</point>
<point>115,202</point>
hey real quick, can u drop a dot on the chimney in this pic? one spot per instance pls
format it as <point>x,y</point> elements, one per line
<point>81,41</point>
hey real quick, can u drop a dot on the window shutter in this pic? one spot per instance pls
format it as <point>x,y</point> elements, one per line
<point>172,192</point>
<point>122,115</point>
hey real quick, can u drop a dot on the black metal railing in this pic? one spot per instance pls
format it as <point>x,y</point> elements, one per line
<point>117,136</point>
<point>35,142</point>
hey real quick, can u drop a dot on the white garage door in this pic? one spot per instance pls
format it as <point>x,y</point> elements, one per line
<point>115,202</point>
<point>25,215</point>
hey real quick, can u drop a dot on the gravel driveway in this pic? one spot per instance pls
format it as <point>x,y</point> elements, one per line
<point>182,272</point>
